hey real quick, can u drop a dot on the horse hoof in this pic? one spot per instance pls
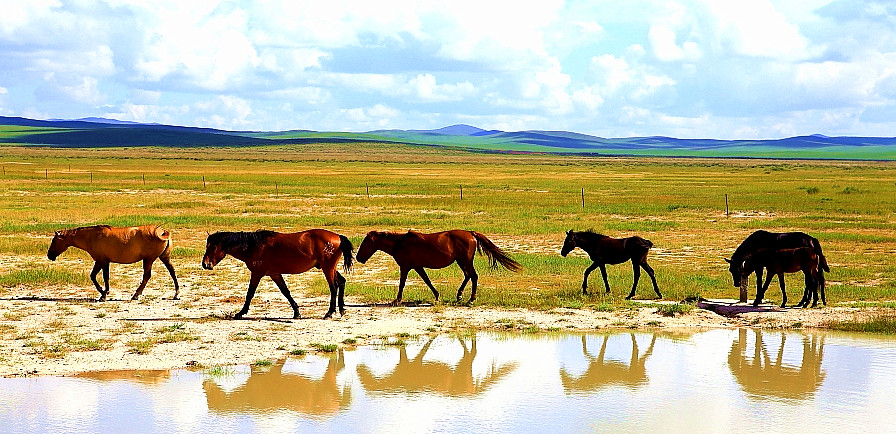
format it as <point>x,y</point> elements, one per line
<point>341,312</point>
<point>134,298</point>
<point>328,315</point>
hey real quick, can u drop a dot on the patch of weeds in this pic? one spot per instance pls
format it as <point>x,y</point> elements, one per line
<point>219,371</point>
<point>298,352</point>
<point>654,323</point>
<point>65,310</point>
<point>603,307</point>
<point>432,329</point>
<point>127,327</point>
<point>281,348</point>
<point>797,325</point>
<point>573,304</point>
<point>141,346</point>
<point>324,348</point>
<point>395,343</point>
<point>885,324</point>
<point>531,329</point>
<point>176,336</point>
<point>100,315</point>
<point>350,341</point>
<point>263,362</point>
<point>245,336</point>
<point>171,328</point>
<point>850,190</point>
<point>55,325</point>
<point>674,309</point>
<point>404,335</point>
<point>14,316</point>
<point>54,351</point>
<point>77,342</point>
<point>812,190</point>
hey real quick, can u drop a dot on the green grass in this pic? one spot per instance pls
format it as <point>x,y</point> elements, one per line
<point>524,203</point>
<point>885,324</point>
<point>324,348</point>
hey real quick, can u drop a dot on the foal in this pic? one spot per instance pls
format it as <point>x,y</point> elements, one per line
<point>778,262</point>
<point>605,250</point>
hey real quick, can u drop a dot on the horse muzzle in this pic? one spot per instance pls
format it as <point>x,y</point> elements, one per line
<point>52,257</point>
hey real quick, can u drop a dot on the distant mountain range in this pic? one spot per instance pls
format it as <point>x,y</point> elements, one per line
<point>100,132</point>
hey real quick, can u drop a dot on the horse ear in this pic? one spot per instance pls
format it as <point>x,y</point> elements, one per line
<point>727,260</point>
<point>57,233</point>
<point>569,232</point>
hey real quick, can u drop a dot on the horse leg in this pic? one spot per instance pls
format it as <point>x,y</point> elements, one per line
<point>460,291</point>
<point>603,272</point>
<point>401,281</point>
<point>821,289</point>
<point>340,283</point>
<point>147,273</point>
<point>253,285</point>
<point>425,278</point>
<point>278,279</point>
<point>105,281</point>
<point>166,259</point>
<point>760,293</point>
<point>474,279</point>
<point>333,283</point>
<point>783,292</point>
<point>650,273</point>
<point>97,267</point>
<point>811,289</point>
<point>636,269</point>
<point>585,280</point>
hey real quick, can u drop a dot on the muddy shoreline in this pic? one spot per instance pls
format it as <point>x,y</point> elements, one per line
<point>68,335</point>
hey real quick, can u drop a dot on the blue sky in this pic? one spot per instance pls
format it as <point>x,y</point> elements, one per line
<point>691,69</point>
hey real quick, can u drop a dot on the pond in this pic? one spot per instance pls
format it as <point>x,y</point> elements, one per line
<point>725,380</point>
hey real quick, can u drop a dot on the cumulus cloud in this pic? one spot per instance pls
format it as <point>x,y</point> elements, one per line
<point>697,68</point>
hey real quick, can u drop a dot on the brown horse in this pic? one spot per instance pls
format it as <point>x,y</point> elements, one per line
<point>269,253</point>
<point>606,250</point>
<point>416,251</point>
<point>107,244</point>
<point>780,261</point>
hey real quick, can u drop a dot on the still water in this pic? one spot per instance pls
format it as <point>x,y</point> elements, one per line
<point>711,381</point>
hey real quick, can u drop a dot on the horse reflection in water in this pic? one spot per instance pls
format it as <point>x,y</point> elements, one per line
<point>269,390</point>
<point>418,375</point>
<point>763,377</point>
<point>603,373</point>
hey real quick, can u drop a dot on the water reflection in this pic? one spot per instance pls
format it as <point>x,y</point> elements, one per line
<point>420,375</point>
<point>602,373</point>
<point>762,377</point>
<point>139,376</point>
<point>269,388</point>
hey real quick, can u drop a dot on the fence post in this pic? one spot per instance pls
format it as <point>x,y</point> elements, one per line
<point>583,197</point>
<point>726,205</point>
<point>461,192</point>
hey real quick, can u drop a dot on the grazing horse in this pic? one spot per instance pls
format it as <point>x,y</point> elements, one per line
<point>606,250</point>
<point>121,245</point>
<point>778,262</point>
<point>416,251</point>
<point>771,240</point>
<point>269,253</point>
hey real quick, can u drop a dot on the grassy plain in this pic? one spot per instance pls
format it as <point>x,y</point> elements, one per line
<point>524,203</point>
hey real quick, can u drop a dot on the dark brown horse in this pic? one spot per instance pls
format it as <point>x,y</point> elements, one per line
<point>269,253</point>
<point>606,250</point>
<point>107,244</point>
<point>778,262</point>
<point>771,240</point>
<point>416,251</point>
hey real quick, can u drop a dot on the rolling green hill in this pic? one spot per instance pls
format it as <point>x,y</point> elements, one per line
<point>98,133</point>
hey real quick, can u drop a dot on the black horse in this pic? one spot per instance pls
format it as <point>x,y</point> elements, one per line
<point>772,240</point>
<point>606,250</point>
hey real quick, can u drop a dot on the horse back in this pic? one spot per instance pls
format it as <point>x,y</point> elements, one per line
<point>126,244</point>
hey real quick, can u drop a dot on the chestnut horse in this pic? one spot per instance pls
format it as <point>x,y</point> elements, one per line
<point>606,250</point>
<point>778,262</point>
<point>417,251</point>
<point>124,245</point>
<point>269,253</point>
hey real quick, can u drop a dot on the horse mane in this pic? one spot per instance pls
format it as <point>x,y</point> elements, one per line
<point>590,235</point>
<point>245,241</point>
<point>72,231</point>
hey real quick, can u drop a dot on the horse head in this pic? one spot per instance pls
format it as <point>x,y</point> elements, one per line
<point>214,251</point>
<point>569,244</point>
<point>736,268</point>
<point>368,247</point>
<point>61,242</point>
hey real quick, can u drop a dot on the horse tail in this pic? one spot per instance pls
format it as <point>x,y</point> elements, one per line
<point>822,261</point>
<point>347,252</point>
<point>642,243</point>
<point>159,234</point>
<point>494,253</point>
